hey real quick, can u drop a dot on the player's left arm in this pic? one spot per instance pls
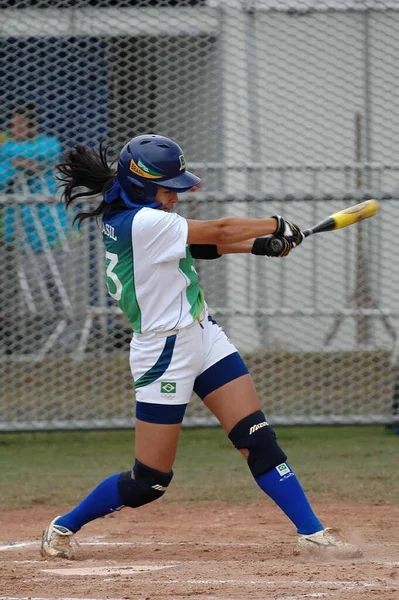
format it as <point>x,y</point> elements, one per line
<point>211,251</point>
<point>244,247</point>
<point>261,246</point>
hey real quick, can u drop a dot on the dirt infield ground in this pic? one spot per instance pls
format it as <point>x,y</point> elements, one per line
<point>212,551</point>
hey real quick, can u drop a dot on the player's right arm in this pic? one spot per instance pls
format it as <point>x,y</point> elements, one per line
<point>232,235</point>
<point>229,230</point>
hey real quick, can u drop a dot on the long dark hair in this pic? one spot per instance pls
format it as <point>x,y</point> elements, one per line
<point>86,168</point>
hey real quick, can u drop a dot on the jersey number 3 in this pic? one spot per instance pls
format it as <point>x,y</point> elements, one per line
<point>113,261</point>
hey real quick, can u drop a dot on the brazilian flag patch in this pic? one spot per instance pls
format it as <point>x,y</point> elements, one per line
<point>168,387</point>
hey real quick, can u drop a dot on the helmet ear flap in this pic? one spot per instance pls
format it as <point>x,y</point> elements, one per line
<point>138,185</point>
<point>142,191</point>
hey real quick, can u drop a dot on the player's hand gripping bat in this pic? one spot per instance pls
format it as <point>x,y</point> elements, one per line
<point>340,219</point>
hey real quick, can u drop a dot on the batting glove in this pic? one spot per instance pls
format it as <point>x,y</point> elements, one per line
<point>288,230</point>
<point>272,245</point>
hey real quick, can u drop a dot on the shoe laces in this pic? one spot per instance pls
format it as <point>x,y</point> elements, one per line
<point>65,540</point>
<point>331,531</point>
<point>332,534</point>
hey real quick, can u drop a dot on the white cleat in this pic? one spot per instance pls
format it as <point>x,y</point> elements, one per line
<point>327,544</point>
<point>58,541</point>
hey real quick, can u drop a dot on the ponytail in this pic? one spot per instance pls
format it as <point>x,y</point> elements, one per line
<point>86,168</point>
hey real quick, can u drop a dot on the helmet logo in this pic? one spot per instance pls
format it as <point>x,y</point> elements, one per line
<point>144,171</point>
<point>182,162</point>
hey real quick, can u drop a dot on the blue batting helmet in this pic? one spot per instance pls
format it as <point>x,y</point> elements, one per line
<point>149,161</point>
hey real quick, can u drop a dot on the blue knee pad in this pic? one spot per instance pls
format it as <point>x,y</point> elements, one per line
<point>148,485</point>
<point>255,434</point>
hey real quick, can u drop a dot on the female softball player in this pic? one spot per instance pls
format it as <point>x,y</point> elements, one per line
<point>176,346</point>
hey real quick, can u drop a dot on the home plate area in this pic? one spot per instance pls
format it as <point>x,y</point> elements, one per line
<point>212,551</point>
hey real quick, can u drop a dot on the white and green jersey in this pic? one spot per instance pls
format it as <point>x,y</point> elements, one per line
<point>149,269</point>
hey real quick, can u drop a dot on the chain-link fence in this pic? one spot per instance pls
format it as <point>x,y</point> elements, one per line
<point>281,107</point>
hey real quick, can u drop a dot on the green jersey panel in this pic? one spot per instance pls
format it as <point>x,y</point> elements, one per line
<point>194,293</point>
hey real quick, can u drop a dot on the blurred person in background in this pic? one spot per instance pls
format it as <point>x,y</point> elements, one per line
<point>27,159</point>
<point>30,233</point>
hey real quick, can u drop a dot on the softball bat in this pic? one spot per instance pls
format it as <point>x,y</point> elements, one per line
<point>345,217</point>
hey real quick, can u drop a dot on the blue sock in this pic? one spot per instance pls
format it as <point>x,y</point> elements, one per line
<point>104,499</point>
<point>284,488</point>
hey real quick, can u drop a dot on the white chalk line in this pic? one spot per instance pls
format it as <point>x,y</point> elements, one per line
<point>93,542</point>
<point>58,598</point>
<point>279,581</point>
<point>17,545</point>
<point>374,562</point>
<point>300,597</point>
<point>96,541</point>
<point>381,544</point>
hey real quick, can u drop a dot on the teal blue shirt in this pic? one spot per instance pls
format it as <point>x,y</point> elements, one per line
<point>45,150</point>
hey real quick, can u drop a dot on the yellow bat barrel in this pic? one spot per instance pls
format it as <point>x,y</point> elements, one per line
<point>355,213</point>
<point>345,217</point>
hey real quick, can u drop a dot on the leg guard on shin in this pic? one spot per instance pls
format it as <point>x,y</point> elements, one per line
<point>147,485</point>
<point>255,434</point>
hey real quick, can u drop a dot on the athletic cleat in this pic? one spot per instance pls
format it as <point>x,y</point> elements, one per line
<point>58,541</point>
<point>326,543</point>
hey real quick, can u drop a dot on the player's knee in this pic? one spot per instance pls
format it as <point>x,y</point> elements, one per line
<point>255,434</point>
<point>148,485</point>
